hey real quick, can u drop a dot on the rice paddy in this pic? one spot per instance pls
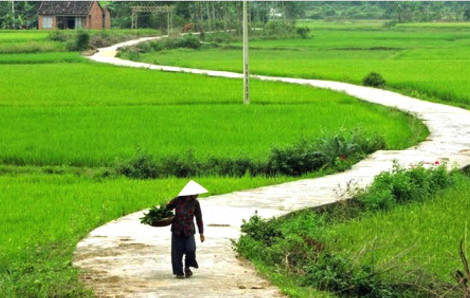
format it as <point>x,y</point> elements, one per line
<point>66,111</point>
<point>43,217</point>
<point>76,116</point>
<point>428,61</point>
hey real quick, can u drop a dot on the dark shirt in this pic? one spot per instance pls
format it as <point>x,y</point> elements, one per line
<point>183,224</point>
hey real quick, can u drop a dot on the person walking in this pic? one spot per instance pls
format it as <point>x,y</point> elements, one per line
<point>186,208</point>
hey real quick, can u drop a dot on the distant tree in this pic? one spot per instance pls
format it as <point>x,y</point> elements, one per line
<point>25,15</point>
<point>466,14</point>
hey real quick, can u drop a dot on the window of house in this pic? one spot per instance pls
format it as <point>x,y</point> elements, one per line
<point>78,22</point>
<point>47,22</point>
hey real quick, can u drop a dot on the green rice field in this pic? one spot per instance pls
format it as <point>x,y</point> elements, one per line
<point>41,58</point>
<point>33,42</point>
<point>64,118</point>
<point>76,116</point>
<point>428,61</point>
<point>44,216</point>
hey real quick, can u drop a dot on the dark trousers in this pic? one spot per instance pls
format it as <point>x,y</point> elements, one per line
<point>183,246</point>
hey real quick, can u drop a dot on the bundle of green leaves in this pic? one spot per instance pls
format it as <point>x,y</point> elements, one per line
<point>156,213</point>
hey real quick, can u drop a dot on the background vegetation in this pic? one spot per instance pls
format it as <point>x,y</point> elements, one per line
<point>227,15</point>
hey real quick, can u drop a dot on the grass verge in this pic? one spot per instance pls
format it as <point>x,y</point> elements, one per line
<point>411,249</point>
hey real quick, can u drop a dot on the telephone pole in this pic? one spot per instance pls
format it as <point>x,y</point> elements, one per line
<point>246,75</point>
<point>13,14</point>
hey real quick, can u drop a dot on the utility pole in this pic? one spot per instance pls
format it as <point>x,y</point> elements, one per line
<point>246,75</point>
<point>13,13</point>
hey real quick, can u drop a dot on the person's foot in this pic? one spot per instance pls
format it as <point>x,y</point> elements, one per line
<point>188,272</point>
<point>179,276</point>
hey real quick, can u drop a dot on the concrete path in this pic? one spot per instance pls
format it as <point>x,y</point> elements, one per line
<point>125,258</point>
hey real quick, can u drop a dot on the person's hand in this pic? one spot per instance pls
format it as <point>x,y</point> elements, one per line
<point>202,237</point>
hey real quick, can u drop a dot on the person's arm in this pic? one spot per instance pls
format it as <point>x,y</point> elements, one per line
<point>199,222</point>
<point>172,204</point>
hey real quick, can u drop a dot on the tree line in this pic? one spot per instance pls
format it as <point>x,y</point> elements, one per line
<point>226,15</point>
<point>210,15</point>
<point>399,11</point>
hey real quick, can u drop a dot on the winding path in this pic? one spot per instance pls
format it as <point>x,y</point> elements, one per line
<point>126,258</point>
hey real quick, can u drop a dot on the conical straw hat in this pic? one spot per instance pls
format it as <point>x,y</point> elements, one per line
<point>192,188</point>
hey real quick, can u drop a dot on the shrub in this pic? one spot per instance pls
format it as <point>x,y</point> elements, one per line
<point>338,274</point>
<point>140,166</point>
<point>278,28</point>
<point>222,37</point>
<point>296,159</point>
<point>81,41</point>
<point>337,147</point>
<point>303,32</point>
<point>236,167</point>
<point>260,230</point>
<point>134,55</point>
<point>373,79</point>
<point>101,39</point>
<point>146,47</point>
<point>128,49</point>
<point>401,186</point>
<point>439,178</point>
<point>180,165</point>
<point>189,41</point>
<point>58,36</point>
<point>368,142</point>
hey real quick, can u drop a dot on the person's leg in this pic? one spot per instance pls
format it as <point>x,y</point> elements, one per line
<point>177,251</point>
<point>190,252</point>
